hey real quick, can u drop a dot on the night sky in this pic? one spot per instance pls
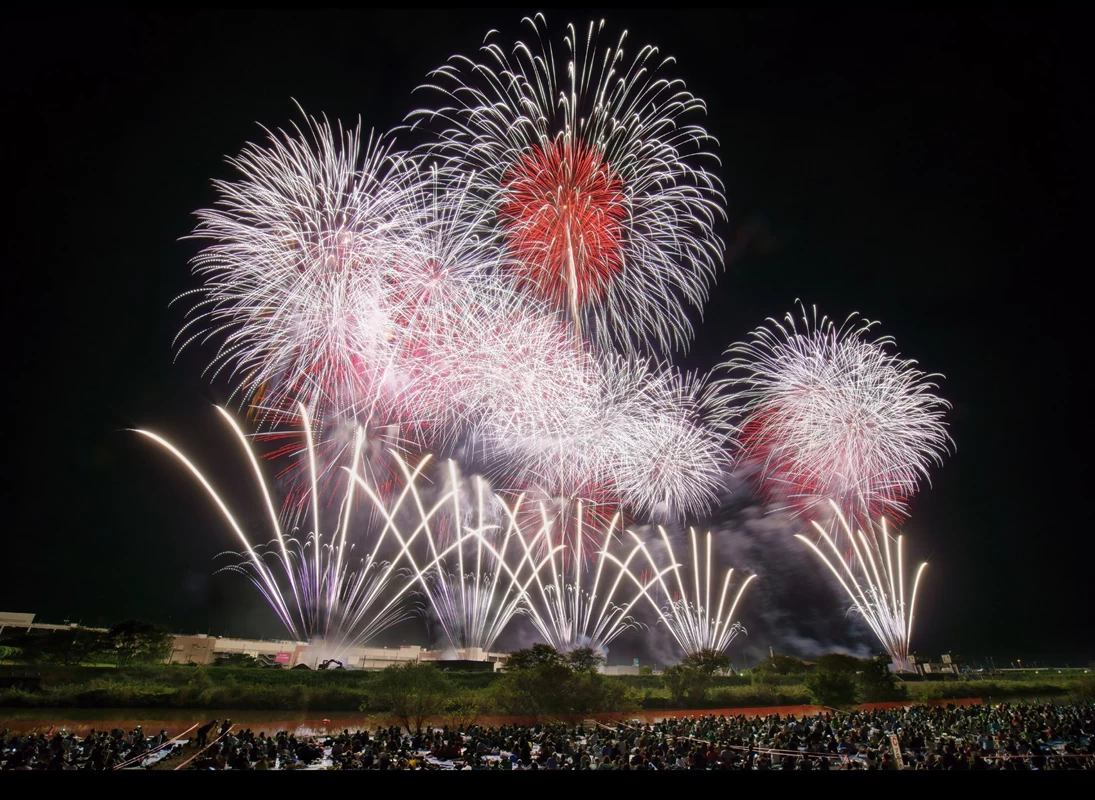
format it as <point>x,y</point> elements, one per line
<point>931,171</point>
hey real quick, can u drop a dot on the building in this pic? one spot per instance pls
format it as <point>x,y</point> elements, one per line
<point>10,619</point>
<point>947,665</point>
<point>202,649</point>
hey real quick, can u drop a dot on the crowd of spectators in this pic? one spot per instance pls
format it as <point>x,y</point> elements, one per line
<point>99,750</point>
<point>1005,736</point>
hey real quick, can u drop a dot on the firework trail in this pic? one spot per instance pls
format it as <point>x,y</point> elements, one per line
<point>832,415</point>
<point>874,582</point>
<point>688,615</point>
<point>598,185</point>
<point>316,586</point>
<point>472,595</point>
<point>573,602</point>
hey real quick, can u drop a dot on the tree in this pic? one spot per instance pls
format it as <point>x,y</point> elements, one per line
<point>533,657</point>
<point>686,683</point>
<point>7,652</point>
<point>536,690</point>
<point>838,662</point>
<point>67,646</point>
<point>831,688</point>
<point>877,684</point>
<point>646,669</point>
<point>137,641</point>
<point>78,646</point>
<point>781,665</point>
<point>556,690</point>
<point>412,693</point>
<point>584,659</point>
<point>708,661</point>
<point>462,711</point>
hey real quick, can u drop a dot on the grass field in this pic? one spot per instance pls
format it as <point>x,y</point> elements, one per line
<point>305,690</point>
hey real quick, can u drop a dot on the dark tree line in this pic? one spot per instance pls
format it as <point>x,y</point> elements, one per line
<point>126,643</point>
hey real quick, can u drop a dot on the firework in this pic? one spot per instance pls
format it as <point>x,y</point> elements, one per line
<point>688,614</point>
<point>874,582</point>
<point>597,182</point>
<point>340,275</point>
<point>316,586</point>
<point>575,602</point>
<point>449,308</point>
<point>831,414</point>
<point>667,457</point>
<point>607,430</point>
<point>473,597</point>
<point>347,277</point>
<point>296,280</point>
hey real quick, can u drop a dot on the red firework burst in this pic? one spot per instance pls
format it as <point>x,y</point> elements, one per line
<point>563,209</point>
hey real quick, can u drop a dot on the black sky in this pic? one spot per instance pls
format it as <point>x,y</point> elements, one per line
<point>931,171</point>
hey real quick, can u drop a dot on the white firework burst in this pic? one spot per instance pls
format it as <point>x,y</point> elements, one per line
<point>296,280</point>
<point>599,184</point>
<point>831,414</point>
<point>609,429</point>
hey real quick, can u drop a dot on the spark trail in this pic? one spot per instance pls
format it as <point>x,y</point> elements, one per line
<point>314,583</point>
<point>874,580</point>
<point>688,614</point>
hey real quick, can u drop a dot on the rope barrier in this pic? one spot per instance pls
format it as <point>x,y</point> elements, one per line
<point>205,748</point>
<point>155,750</point>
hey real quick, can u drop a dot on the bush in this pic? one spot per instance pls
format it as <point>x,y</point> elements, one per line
<point>551,690</point>
<point>708,661</point>
<point>838,662</point>
<point>686,684</point>
<point>7,652</point>
<point>771,679</point>
<point>413,693</point>
<point>1084,688</point>
<point>68,647</point>
<point>238,660</point>
<point>877,684</point>
<point>929,691</point>
<point>738,697</point>
<point>831,688</point>
<point>463,711</point>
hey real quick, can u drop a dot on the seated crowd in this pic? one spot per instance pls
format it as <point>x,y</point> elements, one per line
<point>1006,736</point>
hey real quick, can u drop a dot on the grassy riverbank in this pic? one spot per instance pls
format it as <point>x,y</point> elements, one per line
<point>305,690</point>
